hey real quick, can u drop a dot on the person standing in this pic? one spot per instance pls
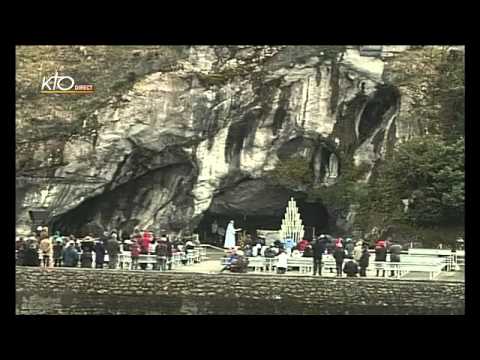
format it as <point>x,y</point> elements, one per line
<point>45,248</point>
<point>135,254</point>
<point>147,241</point>
<point>169,252</point>
<point>38,231</point>
<point>221,235</point>
<point>20,247</point>
<point>230,235</point>
<point>214,228</point>
<point>86,258</point>
<point>57,253</point>
<point>349,246</point>
<point>113,249</point>
<point>104,238</point>
<point>395,251</point>
<point>282,262</point>
<point>31,255</point>
<point>161,252</point>
<point>357,251</point>
<point>43,233</point>
<point>380,256</point>
<point>318,248</point>
<point>339,256</point>
<point>363,262</point>
<point>70,255</point>
<point>99,254</point>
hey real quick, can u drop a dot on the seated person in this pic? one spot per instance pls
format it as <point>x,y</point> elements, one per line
<point>308,252</point>
<point>350,268</point>
<point>263,249</point>
<point>256,250</point>
<point>231,260</point>
<point>296,253</point>
<point>241,263</point>
<point>271,252</point>
<point>303,244</point>
<point>248,251</point>
<point>189,246</point>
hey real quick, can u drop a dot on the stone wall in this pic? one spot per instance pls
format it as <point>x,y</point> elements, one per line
<point>94,291</point>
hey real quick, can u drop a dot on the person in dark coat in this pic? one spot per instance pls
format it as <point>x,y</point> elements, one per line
<point>86,258</point>
<point>113,249</point>
<point>339,256</point>
<point>380,255</point>
<point>57,253</point>
<point>351,268</point>
<point>20,247</point>
<point>30,257</point>
<point>318,248</point>
<point>364,261</point>
<point>349,248</point>
<point>70,256</point>
<point>169,253</point>
<point>271,252</point>
<point>161,252</point>
<point>395,251</point>
<point>99,254</point>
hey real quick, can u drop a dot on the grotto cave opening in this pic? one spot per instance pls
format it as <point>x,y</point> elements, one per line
<point>131,204</point>
<point>314,215</point>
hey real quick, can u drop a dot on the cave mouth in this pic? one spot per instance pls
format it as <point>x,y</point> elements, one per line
<point>384,98</point>
<point>123,208</point>
<point>314,215</point>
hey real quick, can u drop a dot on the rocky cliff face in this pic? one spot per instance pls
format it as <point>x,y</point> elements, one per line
<point>193,142</point>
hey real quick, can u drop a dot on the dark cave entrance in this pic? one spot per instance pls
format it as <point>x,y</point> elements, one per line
<point>384,98</point>
<point>314,216</point>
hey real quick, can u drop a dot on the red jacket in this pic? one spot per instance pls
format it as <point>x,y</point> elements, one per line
<point>135,250</point>
<point>302,245</point>
<point>147,239</point>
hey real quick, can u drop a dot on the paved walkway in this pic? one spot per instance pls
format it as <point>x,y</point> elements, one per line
<point>214,266</point>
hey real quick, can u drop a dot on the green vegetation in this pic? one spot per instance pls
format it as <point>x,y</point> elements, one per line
<point>428,171</point>
<point>294,173</point>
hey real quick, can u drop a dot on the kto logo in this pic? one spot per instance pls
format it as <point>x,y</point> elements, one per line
<point>64,85</point>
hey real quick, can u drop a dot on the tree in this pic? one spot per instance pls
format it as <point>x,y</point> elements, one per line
<point>429,171</point>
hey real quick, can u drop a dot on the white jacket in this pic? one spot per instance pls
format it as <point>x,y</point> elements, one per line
<point>282,260</point>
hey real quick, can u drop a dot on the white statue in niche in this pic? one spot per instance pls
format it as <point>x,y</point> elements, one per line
<point>333,166</point>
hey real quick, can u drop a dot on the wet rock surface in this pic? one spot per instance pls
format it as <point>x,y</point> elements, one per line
<point>199,136</point>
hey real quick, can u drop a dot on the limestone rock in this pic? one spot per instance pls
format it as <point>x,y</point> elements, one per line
<point>199,139</point>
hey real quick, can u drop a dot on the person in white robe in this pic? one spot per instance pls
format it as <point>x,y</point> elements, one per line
<point>230,236</point>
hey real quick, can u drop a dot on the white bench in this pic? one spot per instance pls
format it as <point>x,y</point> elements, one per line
<point>433,268</point>
<point>451,262</point>
<point>304,265</point>
<point>257,263</point>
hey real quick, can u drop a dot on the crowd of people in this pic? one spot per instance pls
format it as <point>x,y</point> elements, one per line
<point>40,249</point>
<point>351,258</point>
